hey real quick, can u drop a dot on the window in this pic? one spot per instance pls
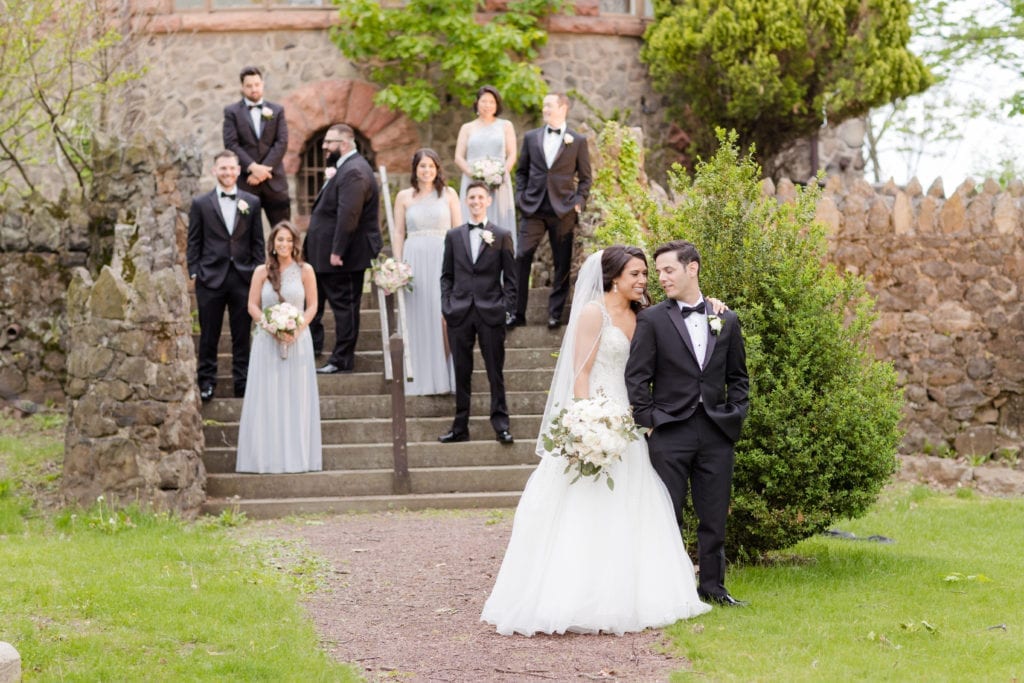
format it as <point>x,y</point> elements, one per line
<point>310,177</point>
<point>643,8</point>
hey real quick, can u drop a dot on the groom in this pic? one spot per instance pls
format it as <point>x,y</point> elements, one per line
<point>687,381</point>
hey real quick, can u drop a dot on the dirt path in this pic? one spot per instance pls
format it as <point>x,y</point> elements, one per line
<point>405,597</point>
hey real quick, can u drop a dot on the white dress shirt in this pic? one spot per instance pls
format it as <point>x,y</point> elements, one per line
<point>697,326</point>
<point>476,240</point>
<point>551,143</point>
<point>228,207</point>
<point>255,115</point>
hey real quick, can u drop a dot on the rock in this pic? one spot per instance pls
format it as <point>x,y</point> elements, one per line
<point>999,481</point>
<point>942,472</point>
<point>979,440</point>
<point>10,664</point>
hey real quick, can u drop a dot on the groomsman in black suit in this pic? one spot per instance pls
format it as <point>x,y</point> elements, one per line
<point>343,237</point>
<point>256,131</point>
<point>552,185</point>
<point>225,244</point>
<point>687,382</point>
<point>478,298</point>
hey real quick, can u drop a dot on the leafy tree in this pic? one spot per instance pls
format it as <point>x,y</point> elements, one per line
<point>426,51</point>
<point>61,64</point>
<point>775,70</point>
<point>822,433</point>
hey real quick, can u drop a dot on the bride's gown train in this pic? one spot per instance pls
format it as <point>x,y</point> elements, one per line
<point>587,559</point>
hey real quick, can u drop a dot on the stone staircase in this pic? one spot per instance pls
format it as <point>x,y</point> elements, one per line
<point>355,411</point>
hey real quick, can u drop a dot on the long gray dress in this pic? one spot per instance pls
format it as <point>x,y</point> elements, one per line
<point>489,141</point>
<point>280,426</point>
<point>426,222</point>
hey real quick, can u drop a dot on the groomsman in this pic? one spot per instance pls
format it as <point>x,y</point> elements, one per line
<point>343,237</point>
<point>256,131</point>
<point>478,298</point>
<point>225,244</point>
<point>552,185</point>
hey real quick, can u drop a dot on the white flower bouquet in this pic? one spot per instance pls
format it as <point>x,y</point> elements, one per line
<point>280,320</point>
<point>391,275</point>
<point>489,170</point>
<point>590,434</point>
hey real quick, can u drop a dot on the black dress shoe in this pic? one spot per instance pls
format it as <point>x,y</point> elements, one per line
<point>504,437</point>
<point>206,394</point>
<point>554,323</point>
<point>453,437</point>
<point>723,600</point>
<point>330,369</point>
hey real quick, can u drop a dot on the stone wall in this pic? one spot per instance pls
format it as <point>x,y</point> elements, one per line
<point>946,273</point>
<point>134,431</point>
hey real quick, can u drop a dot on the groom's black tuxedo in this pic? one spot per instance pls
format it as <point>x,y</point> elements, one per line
<point>475,297</point>
<point>267,148</point>
<point>547,197</point>
<point>222,263</point>
<point>696,414</point>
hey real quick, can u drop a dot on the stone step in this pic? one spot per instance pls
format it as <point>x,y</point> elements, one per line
<point>272,508</point>
<point>365,431</point>
<point>379,406</point>
<point>421,455</point>
<point>369,383</point>
<point>378,482</point>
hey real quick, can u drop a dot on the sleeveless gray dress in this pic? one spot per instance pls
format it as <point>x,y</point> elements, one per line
<point>426,222</point>
<point>489,141</point>
<point>279,430</point>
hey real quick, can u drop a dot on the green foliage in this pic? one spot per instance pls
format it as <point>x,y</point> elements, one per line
<point>774,70</point>
<point>425,51</point>
<point>821,436</point>
<point>628,212</point>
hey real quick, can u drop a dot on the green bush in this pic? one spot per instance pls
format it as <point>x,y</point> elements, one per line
<point>821,436</point>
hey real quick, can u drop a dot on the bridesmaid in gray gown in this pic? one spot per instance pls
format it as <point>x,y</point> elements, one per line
<point>423,214</point>
<point>280,426</point>
<point>488,137</point>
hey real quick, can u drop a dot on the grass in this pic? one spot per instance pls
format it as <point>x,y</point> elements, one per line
<point>938,604</point>
<point>99,594</point>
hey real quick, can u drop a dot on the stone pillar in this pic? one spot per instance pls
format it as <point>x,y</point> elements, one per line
<point>134,431</point>
<point>10,664</point>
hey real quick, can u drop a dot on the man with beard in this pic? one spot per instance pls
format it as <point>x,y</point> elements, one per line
<point>343,237</point>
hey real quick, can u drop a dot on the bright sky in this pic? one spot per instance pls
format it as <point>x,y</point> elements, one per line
<point>986,141</point>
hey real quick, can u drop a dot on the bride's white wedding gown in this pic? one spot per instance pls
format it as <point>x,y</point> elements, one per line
<point>586,559</point>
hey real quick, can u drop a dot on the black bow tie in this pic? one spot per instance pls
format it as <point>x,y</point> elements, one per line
<point>225,195</point>
<point>687,310</point>
<point>476,226</point>
<point>256,106</point>
<point>556,131</point>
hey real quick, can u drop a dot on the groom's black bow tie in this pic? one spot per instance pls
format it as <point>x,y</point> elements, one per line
<point>687,310</point>
<point>258,105</point>
<point>225,195</point>
<point>556,131</point>
<point>476,226</point>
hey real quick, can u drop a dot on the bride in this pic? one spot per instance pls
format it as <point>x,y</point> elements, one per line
<point>584,558</point>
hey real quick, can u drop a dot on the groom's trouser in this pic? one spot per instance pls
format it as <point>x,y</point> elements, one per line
<point>695,455</point>
<point>560,233</point>
<point>462,338</point>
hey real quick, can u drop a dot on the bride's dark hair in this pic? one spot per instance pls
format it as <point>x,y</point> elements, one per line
<point>273,266</point>
<point>613,262</point>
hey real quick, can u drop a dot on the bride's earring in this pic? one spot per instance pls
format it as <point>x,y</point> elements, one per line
<point>615,287</point>
<point>273,252</point>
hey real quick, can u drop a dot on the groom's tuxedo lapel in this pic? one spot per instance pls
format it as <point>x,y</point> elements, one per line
<point>464,234</point>
<point>676,316</point>
<point>712,339</point>
<point>214,202</point>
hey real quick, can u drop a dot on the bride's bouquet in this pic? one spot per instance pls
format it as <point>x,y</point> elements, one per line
<point>281,319</point>
<point>489,170</point>
<point>391,275</point>
<point>590,434</point>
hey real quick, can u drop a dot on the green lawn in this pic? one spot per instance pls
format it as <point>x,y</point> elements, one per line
<point>941,603</point>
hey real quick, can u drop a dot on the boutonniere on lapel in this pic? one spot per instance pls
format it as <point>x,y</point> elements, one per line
<point>329,172</point>
<point>487,236</point>
<point>243,207</point>
<point>568,139</point>
<point>715,323</point>
<point>267,113</point>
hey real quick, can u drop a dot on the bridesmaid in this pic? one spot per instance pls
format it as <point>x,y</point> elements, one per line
<point>487,136</point>
<point>423,214</point>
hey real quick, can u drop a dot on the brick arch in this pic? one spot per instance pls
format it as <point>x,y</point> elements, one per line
<point>314,106</point>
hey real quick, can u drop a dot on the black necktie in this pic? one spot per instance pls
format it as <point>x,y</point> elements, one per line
<point>556,131</point>
<point>687,310</point>
<point>225,195</point>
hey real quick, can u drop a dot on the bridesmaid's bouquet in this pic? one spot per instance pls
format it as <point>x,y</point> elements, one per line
<point>489,170</point>
<point>391,275</point>
<point>591,434</point>
<point>281,319</point>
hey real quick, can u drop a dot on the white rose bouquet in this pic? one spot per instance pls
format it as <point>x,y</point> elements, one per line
<point>489,170</point>
<point>591,434</point>
<point>280,320</point>
<point>391,275</point>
